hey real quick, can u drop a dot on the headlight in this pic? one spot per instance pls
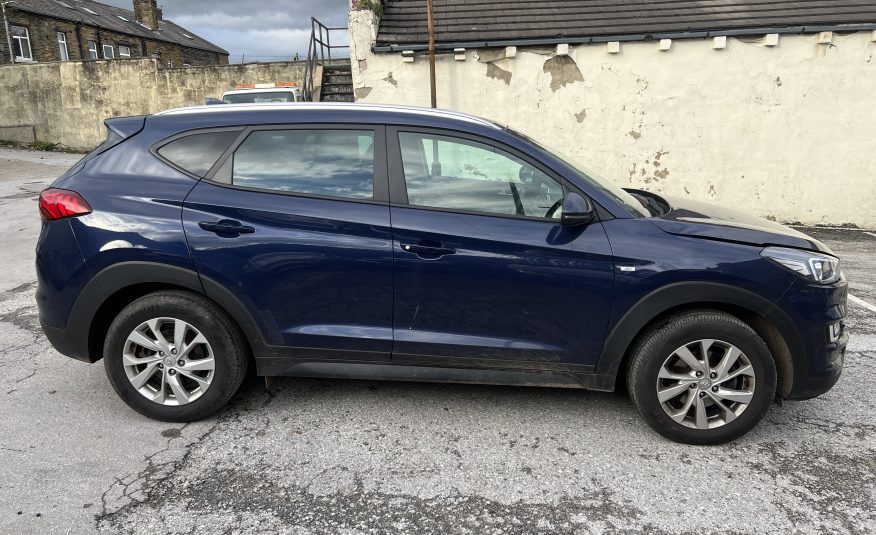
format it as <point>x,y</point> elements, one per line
<point>816,267</point>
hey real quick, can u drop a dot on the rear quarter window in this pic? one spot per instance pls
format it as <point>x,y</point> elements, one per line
<point>196,153</point>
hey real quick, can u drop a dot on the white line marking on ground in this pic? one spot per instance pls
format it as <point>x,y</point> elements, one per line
<point>870,234</point>
<point>861,302</point>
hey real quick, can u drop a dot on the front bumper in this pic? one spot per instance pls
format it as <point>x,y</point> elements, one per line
<point>817,356</point>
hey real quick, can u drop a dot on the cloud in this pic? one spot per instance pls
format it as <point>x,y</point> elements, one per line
<point>260,30</point>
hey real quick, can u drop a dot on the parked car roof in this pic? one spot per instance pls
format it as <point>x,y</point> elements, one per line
<point>460,21</point>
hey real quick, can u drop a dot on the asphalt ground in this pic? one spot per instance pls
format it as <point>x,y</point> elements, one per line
<point>328,456</point>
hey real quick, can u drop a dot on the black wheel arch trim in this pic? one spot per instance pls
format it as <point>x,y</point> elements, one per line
<point>694,293</point>
<point>74,340</point>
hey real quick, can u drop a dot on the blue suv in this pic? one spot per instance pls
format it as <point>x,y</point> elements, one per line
<point>382,242</point>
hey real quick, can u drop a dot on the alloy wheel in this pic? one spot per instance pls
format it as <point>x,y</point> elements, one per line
<point>705,384</point>
<point>168,361</point>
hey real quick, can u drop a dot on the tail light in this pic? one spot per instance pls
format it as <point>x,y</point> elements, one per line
<point>61,203</point>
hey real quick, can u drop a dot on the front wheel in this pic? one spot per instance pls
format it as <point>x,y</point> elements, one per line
<point>174,356</point>
<point>702,377</point>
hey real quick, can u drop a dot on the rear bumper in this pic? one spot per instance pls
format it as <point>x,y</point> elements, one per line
<point>71,342</point>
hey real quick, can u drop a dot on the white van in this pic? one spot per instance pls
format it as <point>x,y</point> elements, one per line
<point>260,93</point>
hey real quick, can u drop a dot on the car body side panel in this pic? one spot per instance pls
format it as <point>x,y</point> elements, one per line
<point>515,289</point>
<point>137,206</point>
<point>315,273</point>
<point>649,259</point>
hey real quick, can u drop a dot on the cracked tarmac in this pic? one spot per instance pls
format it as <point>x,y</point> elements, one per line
<point>326,456</point>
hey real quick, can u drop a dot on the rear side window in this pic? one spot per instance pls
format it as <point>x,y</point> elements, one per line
<point>333,163</point>
<point>198,152</point>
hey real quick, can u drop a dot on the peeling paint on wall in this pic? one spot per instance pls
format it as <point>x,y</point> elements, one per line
<point>390,79</point>
<point>361,92</point>
<point>723,117</point>
<point>488,55</point>
<point>494,71</point>
<point>563,71</point>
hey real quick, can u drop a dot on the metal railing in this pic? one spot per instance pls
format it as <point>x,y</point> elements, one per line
<point>319,53</point>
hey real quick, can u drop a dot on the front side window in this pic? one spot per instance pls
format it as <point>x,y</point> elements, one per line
<point>124,51</point>
<point>108,52</point>
<point>607,186</point>
<point>92,49</point>
<point>62,46</point>
<point>458,174</point>
<point>21,43</point>
<point>198,152</point>
<point>334,163</point>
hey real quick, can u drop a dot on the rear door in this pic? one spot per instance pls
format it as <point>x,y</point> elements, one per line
<point>485,275</point>
<point>294,221</point>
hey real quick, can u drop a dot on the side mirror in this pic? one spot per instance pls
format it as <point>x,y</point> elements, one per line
<point>211,101</point>
<point>577,210</point>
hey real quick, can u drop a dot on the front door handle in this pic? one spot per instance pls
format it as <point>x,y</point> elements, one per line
<point>226,227</point>
<point>427,251</point>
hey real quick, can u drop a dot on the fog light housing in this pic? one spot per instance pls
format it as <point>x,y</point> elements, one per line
<point>834,331</point>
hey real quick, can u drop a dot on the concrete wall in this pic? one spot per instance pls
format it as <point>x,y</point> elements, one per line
<point>67,102</point>
<point>787,132</point>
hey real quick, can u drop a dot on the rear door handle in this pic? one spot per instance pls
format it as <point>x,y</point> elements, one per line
<point>427,250</point>
<point>228,227</point>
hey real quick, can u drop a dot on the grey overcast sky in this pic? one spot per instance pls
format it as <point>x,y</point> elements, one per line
<point>264,30</point>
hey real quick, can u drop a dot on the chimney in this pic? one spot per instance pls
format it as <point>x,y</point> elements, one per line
<point>147,13</point>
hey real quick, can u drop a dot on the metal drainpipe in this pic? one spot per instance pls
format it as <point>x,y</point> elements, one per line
<point>8,36</point>
<point>432,54</point>
<point>79,39</point>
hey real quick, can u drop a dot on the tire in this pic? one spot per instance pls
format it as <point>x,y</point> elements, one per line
<point>192,387</point>
<point>659,362</point>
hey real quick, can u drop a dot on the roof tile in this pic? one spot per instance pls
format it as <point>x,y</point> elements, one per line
<point>96,14</point>
<point>404,21</point>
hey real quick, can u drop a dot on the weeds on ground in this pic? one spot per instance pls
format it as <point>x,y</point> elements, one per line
<point>46,146</point>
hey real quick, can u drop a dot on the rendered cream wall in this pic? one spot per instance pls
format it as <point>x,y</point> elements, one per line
<point>787,132</point>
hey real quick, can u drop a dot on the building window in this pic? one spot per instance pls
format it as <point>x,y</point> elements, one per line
<point>92,49</point>
<point>108,52</point>
<point>62,46</point>
<point>124,51</point>
<point>21,43</point>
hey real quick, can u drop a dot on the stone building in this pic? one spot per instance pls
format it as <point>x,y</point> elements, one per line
<point>759,105</point>
<point>62,30</point>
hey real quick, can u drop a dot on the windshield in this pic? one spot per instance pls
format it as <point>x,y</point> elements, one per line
<point>257,98</point>
<point>607,186</point>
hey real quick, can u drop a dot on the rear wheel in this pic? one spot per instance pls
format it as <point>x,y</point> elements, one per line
<point>174,356</point>
<point>702,377</point>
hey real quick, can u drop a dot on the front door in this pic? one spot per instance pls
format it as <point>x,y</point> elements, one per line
<point>485,275</point>
<point>295,223</point>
